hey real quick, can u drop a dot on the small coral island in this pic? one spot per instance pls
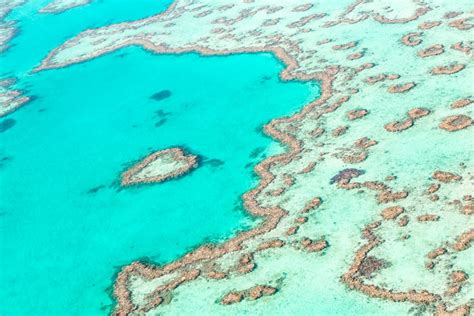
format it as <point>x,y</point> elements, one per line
<point>160,166</point>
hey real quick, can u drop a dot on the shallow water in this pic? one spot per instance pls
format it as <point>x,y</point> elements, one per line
<point>65,226</point>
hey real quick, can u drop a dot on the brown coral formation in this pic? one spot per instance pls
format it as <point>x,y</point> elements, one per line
<point>453,290</point>
<point>389,196</point>
<point>345,176</point>
<point>464,240</point>
<point>455,122</point>
<point>412,39</point>
<point>232,298</point>
<point>413,115</point>
<point>461,103</point>
<point>12,100</point>
<point>177,154</point>
<point>355,276</point>
<point>354,154</point>
<point>417,113</point>
<point>59,7</point>
<point>445,176</point>
<point>301,220</point>
<point>314,245</point>
<point>246,264</point>
<point>305,20</point>
<point>311,205</point>
<point>274,243</point>
<point>399,126</point>
<point>427,218</point>
<point>381,77</point>
<point>447,70</point>
<point>451,14</point>
<point>422,10</point>
<point>401,88</point>
<point>458,276</point>
<point>345,46</point>
<point>308,168</point>
<point>356,114</point>
<point>365,143</point>
<point>261,290</point>
<point>462,47</point>
<point>292,230</point>
<point>317,132</point>
<point>303,7</point>
<point>462,310</point>
<point>392,212</point>
<point>217,275</point>
<point>253,293</point>
<point>428,25</point>
<point>434,187</point>
<point>354,157</point>
<point>341,130</point>
<point>277,192</point>
<point>434,50</point>
<point>155,298</point>
<point>461,24</point>
<point>371,265</point>
<point>355,56</point>
<point>403,221</point>
<point>468,209</point>
<point>352,278</point>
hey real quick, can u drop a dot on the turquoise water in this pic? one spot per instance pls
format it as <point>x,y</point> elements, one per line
<point>65,225</point>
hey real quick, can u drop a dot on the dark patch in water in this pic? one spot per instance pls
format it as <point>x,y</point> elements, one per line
<point>203,160</point>
<point>264,79</point>
<point>3,161</point>
<point>96,189</point>
<point>214,162</point>
<point>256,152</point>
<point>104,308</point>
<point>6,124</point>
<point>238,207</point>
<point>160,122</point>
<point>346,174</point>
<point>260,130</point>
<point>163,94</point>
<point>188,104</point>
<point>248,165</point>
<point>161,113</point>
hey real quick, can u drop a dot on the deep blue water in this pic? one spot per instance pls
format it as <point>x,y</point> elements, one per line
<point>66,227</point>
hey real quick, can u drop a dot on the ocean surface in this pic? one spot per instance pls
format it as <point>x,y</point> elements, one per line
<point>66,226</point>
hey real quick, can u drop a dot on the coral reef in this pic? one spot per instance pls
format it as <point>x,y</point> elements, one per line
<point>405,77</point>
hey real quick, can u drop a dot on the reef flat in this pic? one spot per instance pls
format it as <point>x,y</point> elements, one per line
<point>7,28</point>
<point>10,98</point>
<point>58,6</point>
<point>373,197</point>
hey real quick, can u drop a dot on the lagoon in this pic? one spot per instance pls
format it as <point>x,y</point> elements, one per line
<point>66,226</point>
